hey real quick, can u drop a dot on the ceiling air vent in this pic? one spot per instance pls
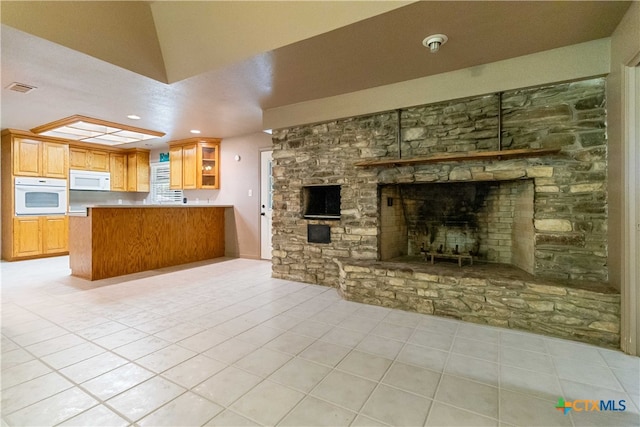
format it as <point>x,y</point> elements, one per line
<point>20,87</point>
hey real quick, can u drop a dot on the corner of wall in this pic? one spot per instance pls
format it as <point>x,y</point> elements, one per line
<point>625,44</point>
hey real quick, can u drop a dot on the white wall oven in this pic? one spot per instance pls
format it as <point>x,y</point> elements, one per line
<point>40,196</point>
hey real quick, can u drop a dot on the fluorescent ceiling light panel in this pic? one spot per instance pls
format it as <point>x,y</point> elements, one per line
<point>87,129</point>
<point>73,132</point>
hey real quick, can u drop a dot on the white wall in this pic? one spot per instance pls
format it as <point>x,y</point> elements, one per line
<point>625,46</point>
<point>237,178</point>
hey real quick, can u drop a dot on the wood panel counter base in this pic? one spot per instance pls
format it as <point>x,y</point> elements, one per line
<point>112,241</point>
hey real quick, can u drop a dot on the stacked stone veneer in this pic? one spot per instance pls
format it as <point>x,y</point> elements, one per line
<point>570,203</point>
<point>580,314</point>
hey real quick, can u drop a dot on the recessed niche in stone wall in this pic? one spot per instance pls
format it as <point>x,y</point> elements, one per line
<point>321,201</point>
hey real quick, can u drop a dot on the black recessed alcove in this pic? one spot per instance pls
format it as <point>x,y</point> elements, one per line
<point>318,233</point>
<point>321,201</point>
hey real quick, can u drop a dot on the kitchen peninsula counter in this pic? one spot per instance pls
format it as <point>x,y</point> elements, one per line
<point>113,240</point>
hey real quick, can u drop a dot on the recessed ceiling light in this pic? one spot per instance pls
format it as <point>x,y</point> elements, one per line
<point>196,131</point>
<point>133,117</point>
<point>87,129</point>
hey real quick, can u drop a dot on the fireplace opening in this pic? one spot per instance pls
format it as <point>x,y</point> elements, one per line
<point>321,201</point>
<point>483,221</point>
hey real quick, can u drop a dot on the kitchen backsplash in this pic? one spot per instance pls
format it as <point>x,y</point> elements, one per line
<point>78,199</point>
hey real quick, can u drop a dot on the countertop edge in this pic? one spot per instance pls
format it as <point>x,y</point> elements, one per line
<point>85,211</point>
<point>158,206</point>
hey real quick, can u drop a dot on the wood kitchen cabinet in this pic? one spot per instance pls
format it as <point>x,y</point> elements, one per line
<point>195,163</point>
<point>27,237</point>
<point>38,235</point>
<point>175,167</point>
<point>182,167</point>
<point>118,169</point>
<point>55,234</point>
<point>27,157</point>
<point>138,171</point>
<point>32,157</point>
<point>55,160</point>
<point>189,167</point>
<point>25,154</point>
<point>88,159</point>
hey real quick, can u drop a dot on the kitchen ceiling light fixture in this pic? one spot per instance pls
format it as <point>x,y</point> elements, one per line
<point>434,42</point>
<point>87,129</point>
<point>196,131</point>
<point>133,117</point>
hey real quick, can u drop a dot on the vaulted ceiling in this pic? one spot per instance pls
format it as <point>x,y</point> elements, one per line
<point>216,65</point>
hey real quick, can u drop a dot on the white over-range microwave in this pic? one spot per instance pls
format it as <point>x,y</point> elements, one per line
<point>40,196</point>
<point>89,180</point>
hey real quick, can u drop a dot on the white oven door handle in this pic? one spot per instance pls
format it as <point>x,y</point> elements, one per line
<point>39,188</point>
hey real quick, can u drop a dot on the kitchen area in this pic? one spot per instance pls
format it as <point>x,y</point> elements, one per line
<point>93,202</point>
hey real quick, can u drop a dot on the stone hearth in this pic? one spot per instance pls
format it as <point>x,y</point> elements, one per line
<point>498,295</point>
<point>557,234</point>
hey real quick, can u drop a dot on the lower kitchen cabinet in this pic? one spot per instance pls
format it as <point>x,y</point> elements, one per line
<point>55,234</point>
<point>40,235</point>
<point>27,236</point>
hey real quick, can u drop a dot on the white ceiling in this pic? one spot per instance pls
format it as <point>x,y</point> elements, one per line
<point>184,67</point>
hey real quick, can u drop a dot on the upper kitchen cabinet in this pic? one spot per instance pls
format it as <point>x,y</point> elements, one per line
<point>194,163</point>
<point>55,159</point>
<point>129,168</point>
<point>33,156</point>
<point>88,159</point>
<point>138,170</point>
<point>118,169</point>
<point>175,167</point>
<point>27,157</point>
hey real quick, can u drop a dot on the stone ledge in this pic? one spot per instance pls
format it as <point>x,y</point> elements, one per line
<point>498,295</point>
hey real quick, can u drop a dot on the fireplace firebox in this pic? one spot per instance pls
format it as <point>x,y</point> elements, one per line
<point>490,221</point>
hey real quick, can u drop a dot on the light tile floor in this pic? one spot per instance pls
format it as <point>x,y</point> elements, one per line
<point>222,343</point>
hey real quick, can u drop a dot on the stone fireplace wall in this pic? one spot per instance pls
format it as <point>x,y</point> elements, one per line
<point>569,204</point>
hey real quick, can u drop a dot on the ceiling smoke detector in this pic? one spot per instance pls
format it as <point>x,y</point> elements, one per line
<point>21,87</point>
<point>434,42</point>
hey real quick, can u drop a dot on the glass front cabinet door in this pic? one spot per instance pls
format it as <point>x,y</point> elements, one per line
<point>209,165</point>
<point>194,163</point>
